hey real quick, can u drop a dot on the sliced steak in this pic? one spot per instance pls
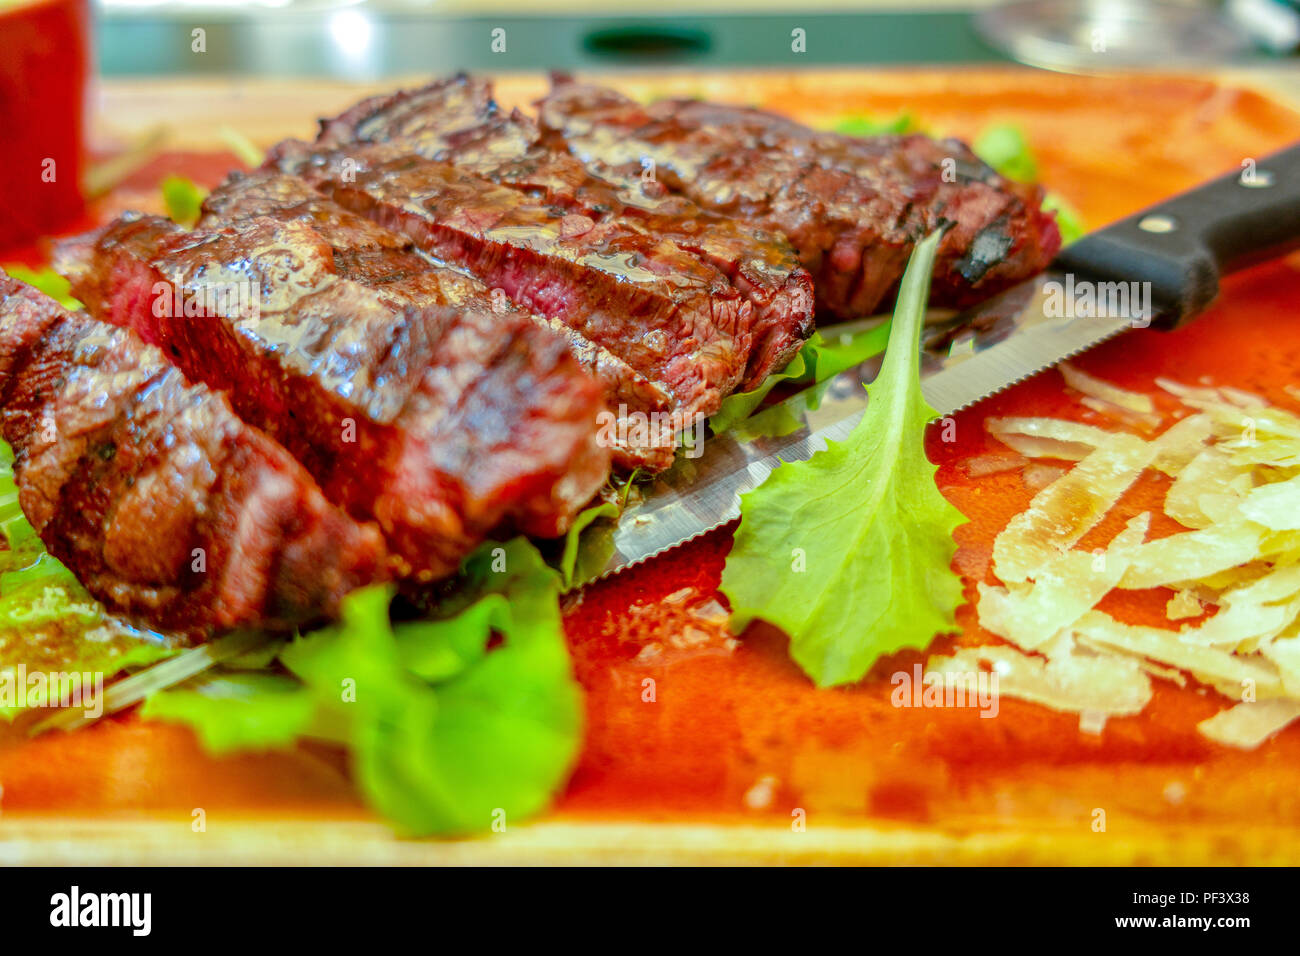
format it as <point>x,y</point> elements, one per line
<point>670,316</point>
<point>852,207</point>
<point>443,423</point>
<point>457,121</point>
<point>165,505</point>
<point>388,262</point>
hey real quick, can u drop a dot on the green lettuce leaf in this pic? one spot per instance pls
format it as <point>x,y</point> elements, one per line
<point>849,552</point>
<point>1005,148</point>
<point>860,125</point>
<point>237,710</point>
<point>47,281</point>
<point>183,199</point>
<point>818,361</point>
<point>467,718</point>
<point>1068,219</point>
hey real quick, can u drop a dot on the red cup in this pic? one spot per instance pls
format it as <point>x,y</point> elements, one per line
<point>44,68</point>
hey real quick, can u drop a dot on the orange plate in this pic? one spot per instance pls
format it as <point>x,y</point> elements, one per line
<point>736,740</point>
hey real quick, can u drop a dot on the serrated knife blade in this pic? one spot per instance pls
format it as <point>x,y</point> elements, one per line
<point>983,351</point>
<point>1160,265</point>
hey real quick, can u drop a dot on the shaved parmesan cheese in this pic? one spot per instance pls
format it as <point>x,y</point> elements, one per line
<point>1072,682</point>
<point>1228,673</point>
<point>1275,506</point>
<point>1285,654</point>
<point>1186,392</point>
<point>1192,555</point>
<point>1235,465</point>
<point>1038,477</point>
<point>1142,422</point>
<point>1207,488</point>
<point>993,464</point>
<point>1183,604</point>
<point>1250,724</point>
<point>1081,381</point>
<point>1181,443</point>
<point>1064,589</point>
<point>1069,508</point>
<point>1047,437</point>
<point>1242,398</point>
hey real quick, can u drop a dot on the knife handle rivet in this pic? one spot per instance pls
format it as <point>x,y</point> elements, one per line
<point>1157,223</point>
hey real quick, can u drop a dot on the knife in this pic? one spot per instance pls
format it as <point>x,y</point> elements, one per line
<point>1158,267</point>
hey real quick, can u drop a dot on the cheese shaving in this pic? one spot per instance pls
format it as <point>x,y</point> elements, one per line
<point>1250,724</point>
<point>1093,387</point>
<point>1234,461</point>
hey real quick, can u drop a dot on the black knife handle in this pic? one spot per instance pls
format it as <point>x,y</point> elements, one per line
<point>1184,244</point>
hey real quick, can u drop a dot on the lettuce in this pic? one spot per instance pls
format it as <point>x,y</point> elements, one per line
<point>849,552</point>
<point>47,281</point>
<point>183,199</point>
<point>455,723</point>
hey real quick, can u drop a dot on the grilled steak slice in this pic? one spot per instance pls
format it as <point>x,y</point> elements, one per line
<point>165,505</point>
<point>444,424</point>
<point>852,207</point>
<point>388,262</point>
<point>457,121</point>
<point>671,317</point>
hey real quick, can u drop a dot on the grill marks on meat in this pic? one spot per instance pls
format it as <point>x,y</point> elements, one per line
<point>852,207</point>
<point>759,298</point>
<point>456,120</point>
<point>670,317</point>
<point>389,263</point>
<point>442,423</point>
<point>145,469</point>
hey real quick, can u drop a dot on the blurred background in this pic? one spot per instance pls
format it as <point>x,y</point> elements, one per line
<point>371,39</point>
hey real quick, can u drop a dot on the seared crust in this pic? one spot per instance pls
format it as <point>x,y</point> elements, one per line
<point>164,503</point>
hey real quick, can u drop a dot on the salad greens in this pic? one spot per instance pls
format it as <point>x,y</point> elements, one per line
<point>862,125</point>
<point>47,280</point>
<point>447,731</point>
<point>849,552</point>
<point>183,199</point>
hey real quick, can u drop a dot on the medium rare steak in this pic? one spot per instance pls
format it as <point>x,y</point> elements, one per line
<point>165,505</point>
<point>671,317</point>
<point>389,263</point>
<point>457,121</point>
<point>442,423</point>
<point>852,207</point>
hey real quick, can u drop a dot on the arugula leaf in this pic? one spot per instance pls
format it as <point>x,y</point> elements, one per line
<point>849,552</point>
<point>183,199</point>
<point>447,732</point>
<point>47,281</point>
<point>579,551</point>
<point>1068,219</point>
<point>859,125</point>
<point>1005,148</point>
<point>819,360</point>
